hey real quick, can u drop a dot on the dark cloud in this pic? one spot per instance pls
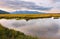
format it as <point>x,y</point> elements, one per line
<point>56,0</point>
<point>23,4</point>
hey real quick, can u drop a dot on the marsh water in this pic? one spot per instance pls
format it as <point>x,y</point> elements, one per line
<point>47,27</point>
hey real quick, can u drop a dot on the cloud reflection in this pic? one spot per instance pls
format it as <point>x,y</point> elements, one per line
<point>36,27</point>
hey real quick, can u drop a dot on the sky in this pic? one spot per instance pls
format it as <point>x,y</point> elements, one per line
<point>48,27</point>
<point>48,6</point>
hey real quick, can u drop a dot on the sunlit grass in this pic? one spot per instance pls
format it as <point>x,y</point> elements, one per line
<point>28,16</point>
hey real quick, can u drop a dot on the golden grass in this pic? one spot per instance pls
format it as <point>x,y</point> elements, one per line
<point>32,16</point>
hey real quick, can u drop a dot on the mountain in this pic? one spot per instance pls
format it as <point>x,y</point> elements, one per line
<point>26,12</point>
<point>3,12</point>
<point>6,33</point>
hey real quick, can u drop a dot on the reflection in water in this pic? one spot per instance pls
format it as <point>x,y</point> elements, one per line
<point>35,27</point>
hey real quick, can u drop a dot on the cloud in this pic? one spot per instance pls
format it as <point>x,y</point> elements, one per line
<point>22,5</point>
<point>39,5</point>
<point>56,0</point>
<point>56,8</point>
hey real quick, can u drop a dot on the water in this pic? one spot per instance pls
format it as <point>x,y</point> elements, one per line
<point>48,27</point>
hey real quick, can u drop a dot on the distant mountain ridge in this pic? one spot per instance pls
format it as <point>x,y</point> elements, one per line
<point>26,12</point>
<point>3,12</point>
<point>20,12</point>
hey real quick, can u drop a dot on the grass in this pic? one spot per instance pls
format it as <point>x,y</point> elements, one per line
<point>28,16</point>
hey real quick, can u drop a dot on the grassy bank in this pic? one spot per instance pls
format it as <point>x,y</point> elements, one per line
<point>6,33</point>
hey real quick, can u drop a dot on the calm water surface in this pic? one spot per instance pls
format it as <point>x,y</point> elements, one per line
<point>48,27</point>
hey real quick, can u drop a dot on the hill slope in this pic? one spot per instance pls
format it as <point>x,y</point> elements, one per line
<point>3,12</point>
<point>6,33</point>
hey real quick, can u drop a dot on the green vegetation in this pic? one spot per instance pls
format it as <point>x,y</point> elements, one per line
<point>6,33</point>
